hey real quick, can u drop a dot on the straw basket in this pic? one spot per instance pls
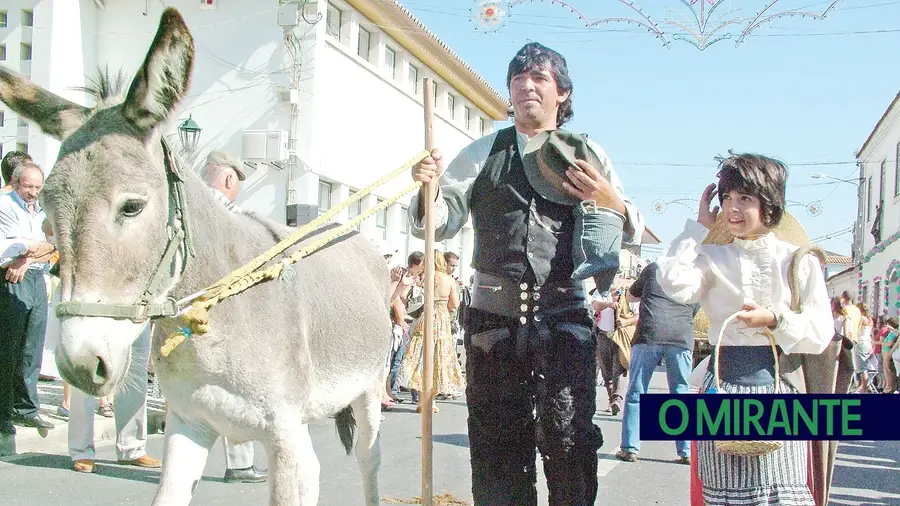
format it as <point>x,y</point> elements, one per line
<point>747,448</point>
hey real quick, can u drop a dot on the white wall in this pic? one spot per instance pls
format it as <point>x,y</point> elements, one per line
<point>877,266</point>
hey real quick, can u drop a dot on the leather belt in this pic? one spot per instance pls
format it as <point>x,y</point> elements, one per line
<point>510,298</point>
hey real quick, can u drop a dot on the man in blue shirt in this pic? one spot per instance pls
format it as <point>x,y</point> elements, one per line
<point>23,300</point>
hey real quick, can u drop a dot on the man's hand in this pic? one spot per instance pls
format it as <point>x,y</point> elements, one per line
<point>705,216</point>
<point>586,183</point>
<point>756,316</point>
<point>15,272</point>
<point>429,168</point>
<point>41,252</point>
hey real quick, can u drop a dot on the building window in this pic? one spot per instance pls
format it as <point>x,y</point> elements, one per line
<point>324,197</point>
<point>468,118</point>
<point>869,199</point>
<point>897,172</point>
<point>414,78</point>
<point>354,210</point>
<point>26,52</point>
<point>480,124</point>
<point>2,52</point>
<point>3,19</point>
<point>21,122</point>
<point>333,21</point>
<point>485,126</point>
<point>451,105</point>
<point>27,17</point>
<point>390,61</point>
<point>381,220</point>
<point>434,92</point>
<point>2,118</point>
<point>22,146</point>
<point>404,231</point>
<point>364,43</point>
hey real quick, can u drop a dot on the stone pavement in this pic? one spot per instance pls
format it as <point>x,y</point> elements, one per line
<point>51,394</point>
<point>867,473</point>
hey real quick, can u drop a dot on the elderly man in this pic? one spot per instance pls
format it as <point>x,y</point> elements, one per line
<point>531,370</point>
<point>23,299</point>
<point>222,173</point>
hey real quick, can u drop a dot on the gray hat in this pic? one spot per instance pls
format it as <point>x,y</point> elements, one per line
<point>546,158</point>
<point>223,159</point>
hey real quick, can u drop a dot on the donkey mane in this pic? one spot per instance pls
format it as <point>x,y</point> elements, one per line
<point>105,88</point>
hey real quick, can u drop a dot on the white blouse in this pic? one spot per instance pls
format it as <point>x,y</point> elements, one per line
<point>723,277</point>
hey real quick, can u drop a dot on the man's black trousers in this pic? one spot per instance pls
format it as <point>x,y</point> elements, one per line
<point>530,386</point>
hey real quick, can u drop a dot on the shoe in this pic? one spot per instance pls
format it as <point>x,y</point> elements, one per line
<point>626,456</point>
<point>62,412</point>
<point>106,410</point>
<point>83,466</point>
<point>248,475</point>
<point>143,461</point>
<point>686,461</point>
<point>32,421</point>
<point>614,406</point>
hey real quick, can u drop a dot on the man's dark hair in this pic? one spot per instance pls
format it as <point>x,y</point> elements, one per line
<point>763,177</point>
<point>846,296</point>
<point>415,258</point>
<point>449,255</point>
<point>535,56</point>
<point>10,161</point>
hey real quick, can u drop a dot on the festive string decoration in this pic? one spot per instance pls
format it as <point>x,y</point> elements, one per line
<point>700,23</point>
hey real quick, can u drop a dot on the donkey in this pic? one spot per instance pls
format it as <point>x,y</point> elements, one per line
<point>276,357</point>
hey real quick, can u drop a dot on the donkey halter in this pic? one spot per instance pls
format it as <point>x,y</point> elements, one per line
<point>164,274</point>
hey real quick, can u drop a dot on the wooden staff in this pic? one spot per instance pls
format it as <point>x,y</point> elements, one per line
<point>427,394</point>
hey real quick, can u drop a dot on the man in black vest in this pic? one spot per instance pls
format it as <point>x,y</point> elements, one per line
<point>531,369</point>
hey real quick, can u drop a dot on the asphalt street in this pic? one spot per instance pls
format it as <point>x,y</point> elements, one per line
<point>868,473</point>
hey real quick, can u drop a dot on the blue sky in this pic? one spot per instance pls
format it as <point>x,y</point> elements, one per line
<point>801,90</point>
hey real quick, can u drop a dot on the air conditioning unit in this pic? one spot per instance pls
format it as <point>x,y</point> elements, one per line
<point>264,145</point>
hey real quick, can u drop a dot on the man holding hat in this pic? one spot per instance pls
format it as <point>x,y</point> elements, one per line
<point>548,212</point>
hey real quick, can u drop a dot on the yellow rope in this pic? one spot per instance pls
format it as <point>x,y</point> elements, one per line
<point>197,317</point>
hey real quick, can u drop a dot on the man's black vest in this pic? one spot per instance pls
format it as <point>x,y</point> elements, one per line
<point>515,228</point>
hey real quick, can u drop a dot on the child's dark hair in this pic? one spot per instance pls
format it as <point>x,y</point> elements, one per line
<point>763,177</point>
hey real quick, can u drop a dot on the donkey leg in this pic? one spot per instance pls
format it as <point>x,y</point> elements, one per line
<point>186,449</point>
<point>367,413</point>
<point>293,468</point>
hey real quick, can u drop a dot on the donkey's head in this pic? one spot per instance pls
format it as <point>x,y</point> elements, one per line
<point>107,199</point>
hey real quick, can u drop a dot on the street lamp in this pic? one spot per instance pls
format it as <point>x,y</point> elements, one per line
<point>819,175</point>
<point>189,133</point>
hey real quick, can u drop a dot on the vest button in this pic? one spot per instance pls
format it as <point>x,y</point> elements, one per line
<point>524,286</point>
<point>524,296</point>
<point>537,308</point>
<point>537,319</point>
<point>523,320</point>
<point>524,308</point>
<point>530,255</point>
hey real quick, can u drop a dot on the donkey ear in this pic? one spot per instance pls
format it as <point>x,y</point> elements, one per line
<point>55,115</point>
<point>161,83</point>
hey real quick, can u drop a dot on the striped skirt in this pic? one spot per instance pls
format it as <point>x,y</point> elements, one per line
<point>779,478</point>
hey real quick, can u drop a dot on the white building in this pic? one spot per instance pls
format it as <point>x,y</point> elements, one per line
<point>340,84</point>
<point>877,238</point>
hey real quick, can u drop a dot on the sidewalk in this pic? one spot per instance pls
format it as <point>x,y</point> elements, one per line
<point>27,440</point>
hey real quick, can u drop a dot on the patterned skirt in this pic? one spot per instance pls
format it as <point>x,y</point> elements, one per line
<point>779,478</point>
<point>448,376</point>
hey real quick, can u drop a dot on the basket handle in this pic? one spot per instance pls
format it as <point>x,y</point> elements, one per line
<point>719,357</point>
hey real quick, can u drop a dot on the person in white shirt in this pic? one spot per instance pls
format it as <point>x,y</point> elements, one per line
<point>605,305</point>
<point>222,173</point>
<point>743,288</point>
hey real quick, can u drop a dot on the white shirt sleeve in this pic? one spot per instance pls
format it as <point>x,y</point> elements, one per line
<point>683,271</point>
<point>10,249</point>
<point>810,330</point>
<point>451,208</point>
<point>634,222</point>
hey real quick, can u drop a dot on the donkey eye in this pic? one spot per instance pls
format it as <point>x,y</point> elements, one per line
<point>132,208</point>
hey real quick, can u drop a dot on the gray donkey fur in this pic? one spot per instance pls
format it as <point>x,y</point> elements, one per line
<point>278,356</point>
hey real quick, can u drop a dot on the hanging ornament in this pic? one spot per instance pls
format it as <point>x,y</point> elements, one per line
<point>659,207</point>
<point>814,208</point>
<point>490,15</point>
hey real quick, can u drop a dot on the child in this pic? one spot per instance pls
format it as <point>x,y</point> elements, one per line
<point>750,276</point>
